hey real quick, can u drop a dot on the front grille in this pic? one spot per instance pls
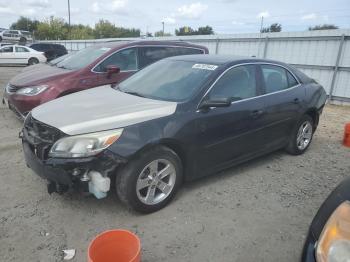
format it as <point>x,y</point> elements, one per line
<point>40,136</point>
<point>11,88</point>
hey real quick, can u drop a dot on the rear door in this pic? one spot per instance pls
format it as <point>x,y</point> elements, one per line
<point>21,54</point>
<point>7,55</point>
<point>125,59</point>
<point>233,133</point>
<point>283,98</point>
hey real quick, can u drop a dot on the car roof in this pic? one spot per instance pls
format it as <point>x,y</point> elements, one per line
<point>118,44</point>
<point>14,46</point>
<point>223,59</point>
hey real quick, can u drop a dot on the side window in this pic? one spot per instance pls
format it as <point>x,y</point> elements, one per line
<point>188,51</point>
<point>151,54</point>
<point>291,80</point>
<point>237,83</point>
<point>124,59</point>
<point>275,78</point>
<point>7,49</point>
<point>20,49</point>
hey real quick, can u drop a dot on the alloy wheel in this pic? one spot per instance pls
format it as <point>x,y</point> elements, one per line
<point>156,181</point>
<point>304,135</point>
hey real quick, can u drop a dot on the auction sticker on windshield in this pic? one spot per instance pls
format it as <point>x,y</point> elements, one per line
<point>205,66</point>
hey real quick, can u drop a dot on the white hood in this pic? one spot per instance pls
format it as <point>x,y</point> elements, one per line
<point>98,109</point>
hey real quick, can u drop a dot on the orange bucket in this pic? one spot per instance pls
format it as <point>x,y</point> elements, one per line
<point>346,140</point>
<point>115,245</point>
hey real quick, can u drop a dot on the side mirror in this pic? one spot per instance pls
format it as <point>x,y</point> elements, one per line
<point>112,69</point>
<point>217,102</point>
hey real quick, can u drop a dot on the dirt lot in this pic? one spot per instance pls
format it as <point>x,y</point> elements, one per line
<point>258,211</point>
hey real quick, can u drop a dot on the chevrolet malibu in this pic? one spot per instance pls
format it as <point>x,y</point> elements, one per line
<point>176,120</point>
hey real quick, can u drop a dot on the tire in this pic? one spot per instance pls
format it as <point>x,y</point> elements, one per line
<point>33,61</point>
<point>138,183</point>
<point>299,142</point>
<point>23,40</point>
<point>0,39</point>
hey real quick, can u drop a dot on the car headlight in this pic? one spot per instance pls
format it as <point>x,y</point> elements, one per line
<point>334,241</point>
<point>84,145</point>
<point>31,90</point>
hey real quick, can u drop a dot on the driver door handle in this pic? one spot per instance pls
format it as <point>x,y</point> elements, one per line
<point>256,113</point>
<point>296,101</point>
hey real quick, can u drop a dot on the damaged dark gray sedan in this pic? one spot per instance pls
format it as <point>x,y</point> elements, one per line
<point>178,119</point>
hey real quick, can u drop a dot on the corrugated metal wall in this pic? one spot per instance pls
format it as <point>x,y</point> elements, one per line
<point>323,55</point>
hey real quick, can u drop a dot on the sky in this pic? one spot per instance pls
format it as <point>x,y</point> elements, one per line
<point>225,16</point>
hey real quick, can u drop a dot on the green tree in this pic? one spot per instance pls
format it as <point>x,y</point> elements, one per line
<point>105,29</point>
<point>186,30</point>
<point>52,29</point>
<point>25,23</point>
<point>160,33</point>
<point>323,27</point>
<point>276,27</point>
<point>207,30</point>
<point>81,32</point>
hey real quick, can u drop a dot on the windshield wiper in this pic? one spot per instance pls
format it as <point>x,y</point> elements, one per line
<point>132,93</point>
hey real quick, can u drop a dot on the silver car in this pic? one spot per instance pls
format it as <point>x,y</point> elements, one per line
<point>15,36</point>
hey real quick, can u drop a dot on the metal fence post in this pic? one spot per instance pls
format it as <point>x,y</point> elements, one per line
<point>217,46</point>
<point>336,66</point>
<point>265,46</point>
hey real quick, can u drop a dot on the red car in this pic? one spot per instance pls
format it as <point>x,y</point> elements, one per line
<point>97,65</point>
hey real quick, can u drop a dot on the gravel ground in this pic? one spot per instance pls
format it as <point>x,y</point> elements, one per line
<point>258,211</point>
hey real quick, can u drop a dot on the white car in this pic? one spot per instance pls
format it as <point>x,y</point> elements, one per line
<point>15,35</point>
<point>17,54</point>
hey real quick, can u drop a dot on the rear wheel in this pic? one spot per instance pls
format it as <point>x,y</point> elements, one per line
<point>0,39</point>
<point>33,61</point>
<point>301,137</point>
<point>23,40</point>
<point>149,182</point>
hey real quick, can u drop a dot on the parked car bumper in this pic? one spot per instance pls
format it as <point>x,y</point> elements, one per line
<point>338,196</point>
<point>21,105</point>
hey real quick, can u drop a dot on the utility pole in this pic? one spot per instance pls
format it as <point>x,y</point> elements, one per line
<point>69,18</point>
<point>261,28</point>
<point>262,23</point>
<point>163,27</point>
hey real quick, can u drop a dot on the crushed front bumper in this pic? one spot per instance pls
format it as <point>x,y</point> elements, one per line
<point>64,174</point>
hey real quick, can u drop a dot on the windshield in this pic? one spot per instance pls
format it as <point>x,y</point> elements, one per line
<point>82,58</point>
<point>168,80</point>
<point>58,59</point>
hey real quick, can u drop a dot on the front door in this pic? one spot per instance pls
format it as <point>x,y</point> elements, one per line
<point>230,134</point>
<point>7,55</point>
<point>125,59</point>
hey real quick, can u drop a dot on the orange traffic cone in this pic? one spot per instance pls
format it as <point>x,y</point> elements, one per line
<point>115,245</point>
<point>346,141</point>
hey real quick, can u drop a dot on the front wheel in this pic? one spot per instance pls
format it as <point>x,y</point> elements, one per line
<point>149,182</point>
<point>301,137</point>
